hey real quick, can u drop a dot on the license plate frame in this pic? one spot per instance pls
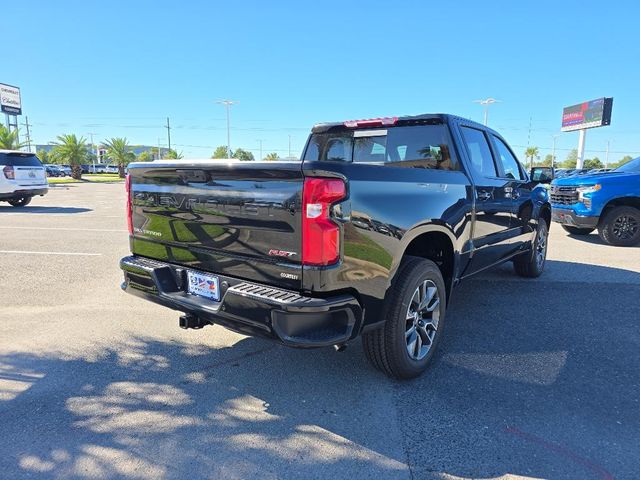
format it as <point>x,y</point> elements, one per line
<point>203,285</point>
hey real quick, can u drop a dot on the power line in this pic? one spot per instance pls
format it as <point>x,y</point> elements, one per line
<point>587,150</point>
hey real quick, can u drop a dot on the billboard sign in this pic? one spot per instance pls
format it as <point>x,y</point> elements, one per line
<point>595,113</point>
<point>10,102</point>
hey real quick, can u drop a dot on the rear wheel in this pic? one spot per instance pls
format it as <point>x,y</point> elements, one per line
<point>620,227</point>
<point>531,264</point>
<point>20,202</point>
<point>577,230</point>
<point>414,312</point>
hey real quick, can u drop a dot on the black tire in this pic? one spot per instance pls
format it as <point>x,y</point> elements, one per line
<point>531,264</point>
<point>387,348</point>
<point>620,226</point>
<point>577,230</point>
<point>20,202</point>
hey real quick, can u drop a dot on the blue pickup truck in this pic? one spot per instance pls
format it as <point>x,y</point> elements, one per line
<point>608,201</point>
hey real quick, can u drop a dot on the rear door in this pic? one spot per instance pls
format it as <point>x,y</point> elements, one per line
<point>240,219</point>
<point>493,205</point>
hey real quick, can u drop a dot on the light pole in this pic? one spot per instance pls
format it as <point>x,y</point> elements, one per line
<point>94,150</point>
<point>260,142</point>
<point>553,152</point>
<point>486,102</point>
<point>227,104</point>
<point>289,147</point>
<point>606,158</point>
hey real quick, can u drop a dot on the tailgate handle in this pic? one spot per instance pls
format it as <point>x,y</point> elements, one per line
<point>193,176</point>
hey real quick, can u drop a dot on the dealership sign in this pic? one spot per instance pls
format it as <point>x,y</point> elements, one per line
<point>595,113</point>
<point>10,100</point>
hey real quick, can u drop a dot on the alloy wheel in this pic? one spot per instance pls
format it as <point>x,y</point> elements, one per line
<point>625,227</point>
<point>422,319</point>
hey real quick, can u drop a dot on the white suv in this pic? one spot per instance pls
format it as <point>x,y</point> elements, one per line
<point>22,176</point>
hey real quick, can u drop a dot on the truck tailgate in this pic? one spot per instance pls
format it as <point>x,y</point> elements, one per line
<point>241,219</point>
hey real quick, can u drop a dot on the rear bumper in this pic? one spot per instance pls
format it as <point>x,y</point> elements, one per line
<point>24,192</point>
<point>568,217</point>
<point>246,307</point>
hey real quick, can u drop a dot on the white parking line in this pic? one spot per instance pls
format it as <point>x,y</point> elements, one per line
<point>25,252</point>
<point>68,229</point>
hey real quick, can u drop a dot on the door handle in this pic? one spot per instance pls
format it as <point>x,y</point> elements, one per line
<point>484,195</point>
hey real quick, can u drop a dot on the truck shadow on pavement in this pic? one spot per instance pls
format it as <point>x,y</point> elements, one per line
<point>536,378</point>
<point>594,239</point>
<point>42,209</point>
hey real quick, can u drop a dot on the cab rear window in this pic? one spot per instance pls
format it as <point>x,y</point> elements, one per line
<point>19,160</point>
<point>419,146</point>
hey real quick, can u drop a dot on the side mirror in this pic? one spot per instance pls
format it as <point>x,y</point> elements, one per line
<point>542,174</point>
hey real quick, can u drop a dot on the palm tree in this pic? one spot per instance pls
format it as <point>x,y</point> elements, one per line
<point>173,155</point>
<point>118,151</point>
<point>531,152</point>
<point>73,151</point>
<point>272,157</point>
<point>9,140</point>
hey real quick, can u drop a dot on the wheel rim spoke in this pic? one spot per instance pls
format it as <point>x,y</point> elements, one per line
<point>410,332</point>
<point>422,318</point>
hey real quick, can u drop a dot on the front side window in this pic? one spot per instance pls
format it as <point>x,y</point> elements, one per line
<point>509,163</point>
<point>479,151</point>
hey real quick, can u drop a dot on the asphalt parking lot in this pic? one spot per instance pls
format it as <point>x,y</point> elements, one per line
<point>534,378</point>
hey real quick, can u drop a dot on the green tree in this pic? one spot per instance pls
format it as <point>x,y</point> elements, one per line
<point>118,151</point>
<point>44,156</point>
<point>622,161</point>
<point>272,157</point>
<point>220,152</point>
<point>548,161</point>
<point>173,155</point>
<point>145,156</point>
<point>571,160</point>
<point>243,155</point>
<point>531,152</point>
<point>72,151</point>
<point>593,163</point>
<point>9,140</point>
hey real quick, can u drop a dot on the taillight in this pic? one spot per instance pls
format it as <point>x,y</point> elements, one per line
<point>8,172</point>
<point>320,234</point>
<point>371,122</point>
<point>127,186</point>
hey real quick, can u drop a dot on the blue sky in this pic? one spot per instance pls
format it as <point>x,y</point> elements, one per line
<point>120,68</point>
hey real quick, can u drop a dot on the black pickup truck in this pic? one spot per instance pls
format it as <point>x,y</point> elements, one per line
<point>366,236</point>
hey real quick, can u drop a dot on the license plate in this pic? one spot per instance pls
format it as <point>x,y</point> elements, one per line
<point>203,285</point>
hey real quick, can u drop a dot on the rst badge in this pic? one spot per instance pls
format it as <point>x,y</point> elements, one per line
<point>281,253</point>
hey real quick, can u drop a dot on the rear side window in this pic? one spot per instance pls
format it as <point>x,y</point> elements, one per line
<point>479,151</point>
<point>19,160</point>
<point>420,146</point>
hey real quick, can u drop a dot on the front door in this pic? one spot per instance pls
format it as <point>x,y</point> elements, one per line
<point>520,189</point>
<point>493,204</point>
